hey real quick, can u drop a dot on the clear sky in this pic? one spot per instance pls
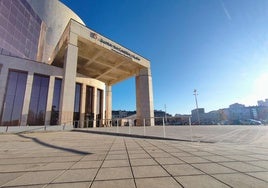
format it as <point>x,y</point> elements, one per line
<point>219,47</point>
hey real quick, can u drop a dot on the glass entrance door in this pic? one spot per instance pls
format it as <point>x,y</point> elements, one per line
<point>89,111</point>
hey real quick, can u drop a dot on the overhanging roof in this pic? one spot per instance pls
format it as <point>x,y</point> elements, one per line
<point>98,56</point>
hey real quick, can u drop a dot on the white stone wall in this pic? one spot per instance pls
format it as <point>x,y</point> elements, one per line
<point>56,16</point>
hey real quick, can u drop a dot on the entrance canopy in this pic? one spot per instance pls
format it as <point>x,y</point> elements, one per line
<point>98,57</point>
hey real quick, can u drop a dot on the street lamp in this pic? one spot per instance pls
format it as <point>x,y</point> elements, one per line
<point>197,111</point>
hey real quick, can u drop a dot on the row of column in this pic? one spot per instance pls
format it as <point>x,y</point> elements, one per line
<point>68,88</point>
<point>144,90</point>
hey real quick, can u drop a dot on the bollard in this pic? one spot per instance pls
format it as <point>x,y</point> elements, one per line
<point>164,129</point>
<point>128,127</point>
<point>7,129</point>
<point>117,125</point>
<point>63,127</point>
<point>144,133</point>
<point>190,123</point>
<point>45,127</point>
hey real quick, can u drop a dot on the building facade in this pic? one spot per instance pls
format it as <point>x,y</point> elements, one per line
<point>55,70</point>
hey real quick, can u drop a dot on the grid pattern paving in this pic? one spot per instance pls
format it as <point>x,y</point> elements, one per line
<point>74,159</point>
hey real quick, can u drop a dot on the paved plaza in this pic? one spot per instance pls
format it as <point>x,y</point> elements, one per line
<point>84,159</point>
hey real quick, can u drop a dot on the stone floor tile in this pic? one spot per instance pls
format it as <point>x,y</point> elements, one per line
<point>6,177</point>
<point>242,167</point>
<point>182,169</point>
<point>139,156</point>
<point>168,160</point>
<point>31,178</point>
<point>116,157</point>
<point>126,183</point>
<point>241,180</point>
<point>201,153</point>
<point>160,154</point>
<point>240,158</point>
<point>87,164</point>
<point>94,157</point>
<point>259,156</point>
<point>193,159</point>
<point>18,167</point>
<point>69,185</point>
<point>217,158</point>
<point>117,152</point>
<point>142,162</point>
<point>67,159</point>
<point>115,163</point>
<point>29,186</point>
<point>75,175</point>
<point>114,173</point>
<point>160,182</point>
<point>200,181</point>
<point>136,151</point>
<point>213,168</point>
<point>182,154</point>
<point>149,171</point>
<point>263,164</point>
<point>54,166</point>
<point>260,175</point>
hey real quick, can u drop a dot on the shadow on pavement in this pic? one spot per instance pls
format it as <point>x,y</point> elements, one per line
<point>53,146</point>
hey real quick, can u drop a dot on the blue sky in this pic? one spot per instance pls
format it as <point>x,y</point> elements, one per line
<point>219,47</point>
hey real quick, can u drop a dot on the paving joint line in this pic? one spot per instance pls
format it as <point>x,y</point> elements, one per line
<point>233,160</point>
<point>245,173</point>
<point>134,179</point>
<point>160,165</point>
<point>90,185</point>
<point>64,171</point>
<point>191,165</point>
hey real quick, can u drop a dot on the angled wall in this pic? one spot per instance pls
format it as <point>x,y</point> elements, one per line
<point>55,16</point>
<point>19,29</point>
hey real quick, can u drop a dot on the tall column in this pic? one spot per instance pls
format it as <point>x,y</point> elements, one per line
<point>144,97</point>
<point>68,82</point>
<point>95,107</point>
<point>83,105</point>
<point>49,100</point>
<point>27,99</point>
<point>108,104</point>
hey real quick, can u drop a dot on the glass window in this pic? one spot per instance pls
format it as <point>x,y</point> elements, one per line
<point>77,97</point>
<point>14,98</point>
<point>89,99</point>
<point>37,109</point>
<point>99,106</point>
<point>56,102</point>
<point>89,112</point>
<point>77,101</point>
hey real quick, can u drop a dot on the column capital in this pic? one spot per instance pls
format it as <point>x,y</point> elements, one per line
<point>73,38</point>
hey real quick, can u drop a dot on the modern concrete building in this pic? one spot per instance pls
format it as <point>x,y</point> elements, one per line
<point>55,70</point>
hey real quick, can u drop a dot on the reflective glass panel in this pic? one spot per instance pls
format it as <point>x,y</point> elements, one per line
<point>37,109</point>
<point>14,98</point>
<point>56,102</point>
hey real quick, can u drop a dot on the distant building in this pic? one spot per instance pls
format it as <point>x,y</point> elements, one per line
<point>235,114</point>
<point>122,113</point>
<point>238,112</point>
<point>263,103</point>
<point>195,113</point>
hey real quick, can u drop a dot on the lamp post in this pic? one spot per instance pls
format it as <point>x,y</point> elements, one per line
<point>197,111</point>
